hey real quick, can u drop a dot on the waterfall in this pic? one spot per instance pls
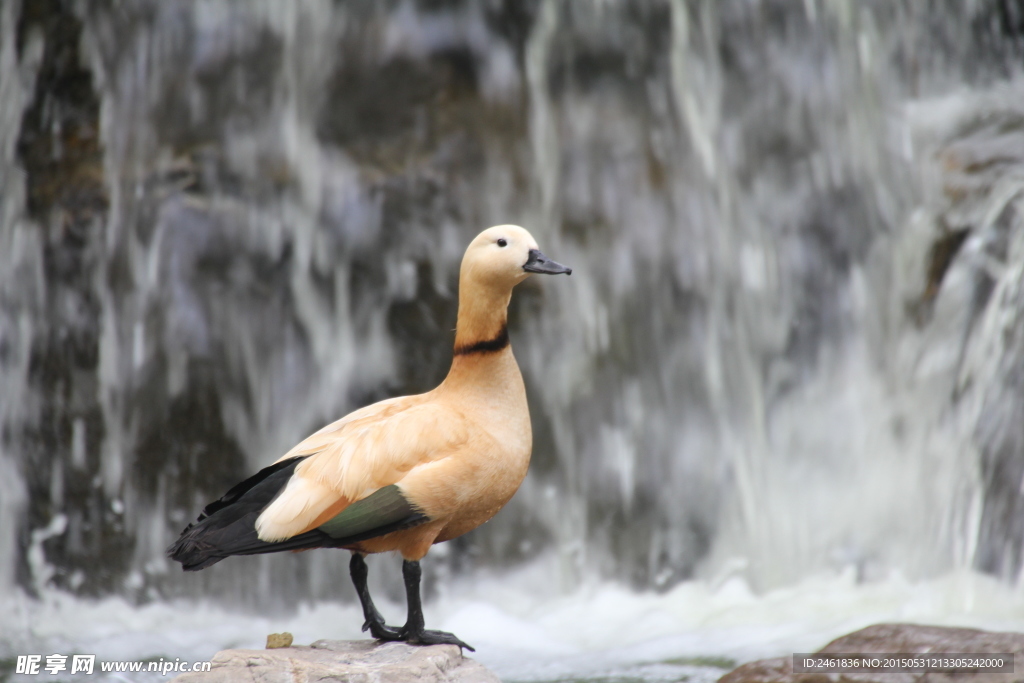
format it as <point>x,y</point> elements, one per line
<point>791,341</point>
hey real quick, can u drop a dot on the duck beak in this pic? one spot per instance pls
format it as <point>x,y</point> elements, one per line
<point>539,263</point>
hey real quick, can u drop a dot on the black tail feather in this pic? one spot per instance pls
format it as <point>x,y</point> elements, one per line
<point>283,471</point>
<point>228,526</point>
<point>198,550</point>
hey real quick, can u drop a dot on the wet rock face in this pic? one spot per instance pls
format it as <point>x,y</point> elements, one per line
<point>345,662</point>
<point>59,146</point>
<point>1001,538</point>
<point>982,227</point>
<point>60,151</point>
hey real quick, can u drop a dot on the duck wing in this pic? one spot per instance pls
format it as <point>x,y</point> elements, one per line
<point>227,526</point>
<point>336,488</point>
<point>353,458</point>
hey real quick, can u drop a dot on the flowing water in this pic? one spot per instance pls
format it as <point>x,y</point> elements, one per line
<point>780,397</point>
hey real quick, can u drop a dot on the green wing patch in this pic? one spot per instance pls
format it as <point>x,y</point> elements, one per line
<point>383,511</point>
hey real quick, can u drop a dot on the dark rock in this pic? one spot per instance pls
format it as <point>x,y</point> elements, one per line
<point>894,638</point>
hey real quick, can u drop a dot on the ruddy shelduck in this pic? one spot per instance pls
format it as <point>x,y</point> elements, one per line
<point>407,472</point>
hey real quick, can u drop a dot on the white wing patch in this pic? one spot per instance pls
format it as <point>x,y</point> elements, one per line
<point>295,509</point>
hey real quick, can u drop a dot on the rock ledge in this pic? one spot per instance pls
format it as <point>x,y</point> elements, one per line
<point>345,661</point>
<point>895,638</point>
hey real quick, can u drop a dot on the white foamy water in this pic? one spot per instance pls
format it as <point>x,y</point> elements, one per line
<point>598,630</point>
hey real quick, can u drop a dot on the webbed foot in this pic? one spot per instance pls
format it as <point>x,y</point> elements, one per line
<point>425,637</point>
<point>379,630</point>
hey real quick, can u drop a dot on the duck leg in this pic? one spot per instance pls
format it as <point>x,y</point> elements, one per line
<point>413,631</point>
<point>374,621</point>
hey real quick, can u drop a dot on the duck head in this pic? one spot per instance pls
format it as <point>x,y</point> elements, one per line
<point>504,256</point>
<point>497,260</point>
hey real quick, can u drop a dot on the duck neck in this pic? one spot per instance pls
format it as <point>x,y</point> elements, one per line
<point>482,360</point>
<point>484,378</point>
<point>482,327</point>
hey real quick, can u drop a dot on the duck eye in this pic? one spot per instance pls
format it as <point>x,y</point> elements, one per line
<point>502,242</point>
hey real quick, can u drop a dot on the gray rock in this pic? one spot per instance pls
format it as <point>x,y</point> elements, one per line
<point>895,638</point>
<point>345,661</point>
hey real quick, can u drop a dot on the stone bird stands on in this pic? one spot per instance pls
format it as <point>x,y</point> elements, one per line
<point>345,661</point>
